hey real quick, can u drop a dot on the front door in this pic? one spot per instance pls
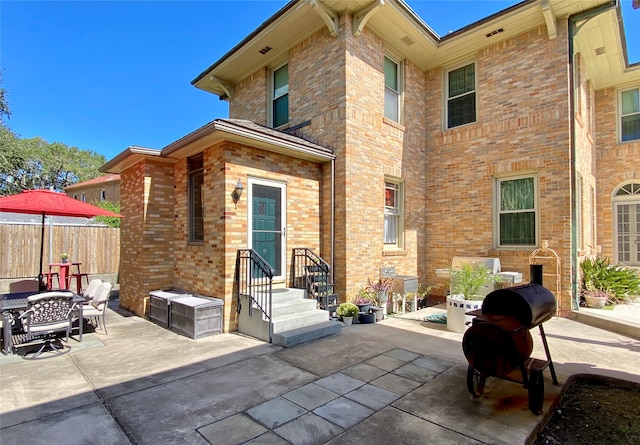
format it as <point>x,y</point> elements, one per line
<point>626,208</point>
<point>628,233</point>
<point>267,222</point>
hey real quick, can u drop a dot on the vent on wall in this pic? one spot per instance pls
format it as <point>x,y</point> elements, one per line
<point>494,32</point>
<point>265,50</point>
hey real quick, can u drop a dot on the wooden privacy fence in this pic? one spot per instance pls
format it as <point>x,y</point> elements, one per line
<point>97,248</point>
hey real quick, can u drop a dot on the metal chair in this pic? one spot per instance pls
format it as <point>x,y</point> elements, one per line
<point>47,315</point>
<point>98,306</point>
<point>91,290</point>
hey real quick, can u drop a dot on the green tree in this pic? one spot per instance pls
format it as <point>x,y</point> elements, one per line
<point>5,112</point>
<point>111,221</point>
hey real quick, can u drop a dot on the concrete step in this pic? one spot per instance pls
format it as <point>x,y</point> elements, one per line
<point>307,333</point>
<point>288,294</point>
<point>604,319</point>
<point>299,320</point>
<point>293,307</point>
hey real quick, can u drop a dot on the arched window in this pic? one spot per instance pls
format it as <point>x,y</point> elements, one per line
<point>626,227</point>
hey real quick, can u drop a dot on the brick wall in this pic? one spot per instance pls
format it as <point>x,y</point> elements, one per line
<point>617,163</point>
<point>147,204</point>
<point>93,192</point>
<point>208,268</point>
<point>448,174</point>
<point>522,127</point>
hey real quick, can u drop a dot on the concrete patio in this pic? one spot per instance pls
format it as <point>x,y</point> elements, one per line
<point>402,380</point>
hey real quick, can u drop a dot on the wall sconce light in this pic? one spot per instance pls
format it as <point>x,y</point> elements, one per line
<point>237,193</point>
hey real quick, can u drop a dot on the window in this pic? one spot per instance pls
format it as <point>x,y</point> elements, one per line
<point>103,195</point>
<point>630,115</point>
<point>461,96</point>
<point>517,211</point>
<point>391,89</point>
<point>280,102</point>
<point>83,198</point>
<point>626,236</point>
<point>393,222</point>
<point>196,179</point>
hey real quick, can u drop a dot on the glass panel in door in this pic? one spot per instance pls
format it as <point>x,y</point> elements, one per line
<point>267,224</point>
<point>628,233</point>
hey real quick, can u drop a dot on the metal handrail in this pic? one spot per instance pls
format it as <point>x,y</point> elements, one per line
<point>254,277</point>
<point>312,273</point>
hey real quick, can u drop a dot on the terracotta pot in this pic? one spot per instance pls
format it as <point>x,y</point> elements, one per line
<point>595,302</point>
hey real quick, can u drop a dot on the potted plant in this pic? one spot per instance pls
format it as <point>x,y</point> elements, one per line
<point>622,283</point>
<point>380,289</point>
<point>347,311</point>
<point>364,299</point>
<point>64,257</point>
<point>417,300</point>
<point>596,298</point>
<point>466,294</point>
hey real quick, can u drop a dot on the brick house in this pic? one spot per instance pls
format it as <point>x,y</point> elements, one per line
<point>376,142</point>
<point>102,188</point>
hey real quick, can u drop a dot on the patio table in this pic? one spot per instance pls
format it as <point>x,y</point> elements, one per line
<point>11,304</point>
<point>64,271</point>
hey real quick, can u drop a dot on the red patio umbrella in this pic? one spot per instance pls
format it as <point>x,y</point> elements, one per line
<point>48,202</point>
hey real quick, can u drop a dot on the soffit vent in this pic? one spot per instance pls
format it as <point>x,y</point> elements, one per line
<point>265,50</point>
<point>407,41</point>
<point>494,32</point>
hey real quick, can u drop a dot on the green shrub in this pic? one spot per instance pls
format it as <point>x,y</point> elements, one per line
<point>347,310</point>
<point>622,282</point>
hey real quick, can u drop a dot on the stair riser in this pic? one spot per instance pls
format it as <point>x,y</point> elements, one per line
<point>293,307</point>
<point>280,325</point>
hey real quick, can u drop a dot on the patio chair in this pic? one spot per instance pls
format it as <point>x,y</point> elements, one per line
<point>91,289</point>
<point>98,306</point>
<point>46,316</point>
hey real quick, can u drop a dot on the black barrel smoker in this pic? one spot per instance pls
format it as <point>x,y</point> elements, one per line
<point>498,342</point>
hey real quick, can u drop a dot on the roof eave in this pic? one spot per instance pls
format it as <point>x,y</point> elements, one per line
<point>131,156</point>
<point>219,130</point>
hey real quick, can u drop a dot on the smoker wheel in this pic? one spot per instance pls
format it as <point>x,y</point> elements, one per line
<point>475,381</point>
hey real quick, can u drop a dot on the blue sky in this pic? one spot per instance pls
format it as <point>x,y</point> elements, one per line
<point>104,75</point>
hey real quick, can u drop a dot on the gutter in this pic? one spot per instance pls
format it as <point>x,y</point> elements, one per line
<point>573,19</point>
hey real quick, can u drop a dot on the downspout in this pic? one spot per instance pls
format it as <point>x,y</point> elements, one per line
<point>333,225</point>
<point>573,19</point>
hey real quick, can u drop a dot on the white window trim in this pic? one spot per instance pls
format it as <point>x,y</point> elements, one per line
<point>445,116</point>
<point>619,113</point>
<point>272,94</point>
<point>399,245</point>
<point>616,200</point>
<point>400,73</point>
<point>496,209</point>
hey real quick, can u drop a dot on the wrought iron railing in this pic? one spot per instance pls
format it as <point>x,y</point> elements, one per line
<point>312,273</point>
<point>254,277</point>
